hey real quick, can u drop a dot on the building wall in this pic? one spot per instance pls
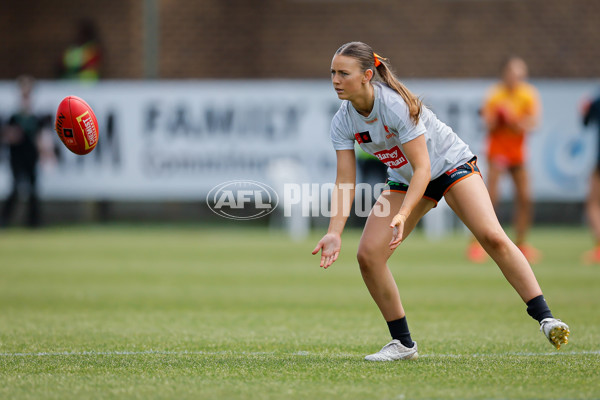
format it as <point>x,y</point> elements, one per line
<point>33,35</point>
<point>296,38</point>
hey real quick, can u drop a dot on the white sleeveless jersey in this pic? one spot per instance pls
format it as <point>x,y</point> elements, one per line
<point>389,126</point>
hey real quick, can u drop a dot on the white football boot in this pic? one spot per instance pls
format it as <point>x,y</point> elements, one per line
<point>393,351</point>
<point>556,331</point>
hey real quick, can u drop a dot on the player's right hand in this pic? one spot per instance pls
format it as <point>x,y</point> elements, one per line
<point>330,246</point>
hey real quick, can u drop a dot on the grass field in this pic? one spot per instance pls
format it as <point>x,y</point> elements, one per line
<point>154,312</point>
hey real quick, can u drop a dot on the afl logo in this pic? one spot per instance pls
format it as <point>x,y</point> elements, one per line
<point>242,200</point>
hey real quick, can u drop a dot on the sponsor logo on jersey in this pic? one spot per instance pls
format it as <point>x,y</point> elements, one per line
<point>363,137</point>
<point>390,132</point>
<point>393,158</point>
<point>372,121</point>
<point>89,130</point>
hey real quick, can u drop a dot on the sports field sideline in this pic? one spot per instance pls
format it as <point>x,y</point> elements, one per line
<point>188,312</point>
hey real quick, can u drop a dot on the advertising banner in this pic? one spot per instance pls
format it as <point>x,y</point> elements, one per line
<point>176,140</point>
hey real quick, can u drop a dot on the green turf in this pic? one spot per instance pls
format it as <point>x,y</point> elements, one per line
<point>190,313</point>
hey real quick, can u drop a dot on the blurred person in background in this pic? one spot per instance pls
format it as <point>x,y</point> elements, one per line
<point>511,111</point>
<point>21,135</point>
<point>82,59</point>
<point>591,115</point>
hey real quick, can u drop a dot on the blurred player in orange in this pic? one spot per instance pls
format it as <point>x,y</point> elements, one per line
<point>591,115</point>
<point>510,112</point>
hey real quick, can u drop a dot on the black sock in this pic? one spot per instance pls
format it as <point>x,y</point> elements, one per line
<point>538,309</point>
<point>399,330</point>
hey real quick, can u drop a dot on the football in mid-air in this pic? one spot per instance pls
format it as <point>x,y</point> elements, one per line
<point>76,125</point>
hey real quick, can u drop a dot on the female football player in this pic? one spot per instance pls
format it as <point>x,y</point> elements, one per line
<point>426,161</point>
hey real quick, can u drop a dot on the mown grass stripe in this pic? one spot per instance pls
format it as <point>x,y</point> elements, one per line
<point>299,353</point>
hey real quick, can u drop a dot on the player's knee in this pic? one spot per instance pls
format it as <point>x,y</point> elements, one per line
<point>362,256</point>
<point>365,257</point>
<point>494,241</point>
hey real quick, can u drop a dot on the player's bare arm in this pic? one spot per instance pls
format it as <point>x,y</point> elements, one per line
<point>418,157</point>
<point>341,203</point>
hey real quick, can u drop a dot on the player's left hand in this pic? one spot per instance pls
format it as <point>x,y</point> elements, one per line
<point>398,226</point>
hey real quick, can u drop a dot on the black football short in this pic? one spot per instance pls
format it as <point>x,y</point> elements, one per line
<point>438,187</point>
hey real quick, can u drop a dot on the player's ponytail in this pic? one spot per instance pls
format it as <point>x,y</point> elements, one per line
<point>369,60</point>
<point>387,76</point>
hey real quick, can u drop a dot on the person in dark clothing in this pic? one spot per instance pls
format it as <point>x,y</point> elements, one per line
<point>591,115</point>
<point>20,134</point>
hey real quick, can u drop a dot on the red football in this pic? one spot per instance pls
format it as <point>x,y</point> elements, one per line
<point>76,125</point>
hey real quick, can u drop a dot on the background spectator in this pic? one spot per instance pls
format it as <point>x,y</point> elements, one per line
<point>21,135</point>
<point>82,59</point>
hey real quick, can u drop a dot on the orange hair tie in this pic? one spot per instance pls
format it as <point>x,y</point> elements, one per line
<point>377,61</point>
